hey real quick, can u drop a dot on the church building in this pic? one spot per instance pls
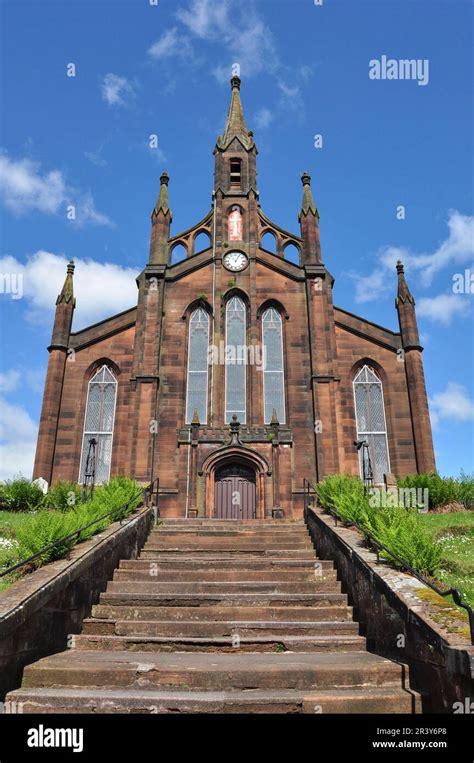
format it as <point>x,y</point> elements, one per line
<point>234,377</point>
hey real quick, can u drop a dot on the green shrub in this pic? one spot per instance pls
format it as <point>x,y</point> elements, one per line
<point>64,496</point>
<point>397,528</point>
<point>466,490</point>
<point>442,490</point>
<point>45,528</point>
<point>20,494</point>
<point>400,530</point>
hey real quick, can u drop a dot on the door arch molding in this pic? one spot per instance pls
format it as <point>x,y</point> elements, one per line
<point>235,455</point>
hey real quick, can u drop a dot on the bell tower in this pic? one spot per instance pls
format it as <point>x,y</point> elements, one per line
<point>235,152</point>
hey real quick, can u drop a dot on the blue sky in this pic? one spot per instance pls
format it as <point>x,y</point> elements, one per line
<point>163,69</point>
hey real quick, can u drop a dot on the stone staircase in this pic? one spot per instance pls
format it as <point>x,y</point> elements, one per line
<point>220,616</point>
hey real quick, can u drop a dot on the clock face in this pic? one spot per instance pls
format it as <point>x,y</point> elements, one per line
<point>235,261</point>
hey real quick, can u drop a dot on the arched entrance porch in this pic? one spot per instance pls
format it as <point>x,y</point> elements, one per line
<point>235,484</point>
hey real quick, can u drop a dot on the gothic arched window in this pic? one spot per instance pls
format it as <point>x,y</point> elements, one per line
<point>99,423</point>
<point>273,371</point>
<point>370,418</point>
<point>235,361</point>
<point>198,365</point>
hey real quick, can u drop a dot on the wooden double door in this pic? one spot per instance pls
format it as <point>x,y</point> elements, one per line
<point>235,492</point>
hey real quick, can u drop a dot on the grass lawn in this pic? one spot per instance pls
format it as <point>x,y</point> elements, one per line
<point>455,532</point>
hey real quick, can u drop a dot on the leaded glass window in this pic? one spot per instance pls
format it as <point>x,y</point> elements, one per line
<point>371,423</point>
<point>235,361</point>
<point>198,366</point>
<point>99,423</point>
<point>273,372</point>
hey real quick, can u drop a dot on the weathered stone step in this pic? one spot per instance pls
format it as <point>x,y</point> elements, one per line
<point>216,544</point>
<point>235,524</point>
<point>218,629</point>
<point>116,611</point>
<point>230,532</point>
<point>156,585</point>
<point>127,595</point>
<point>248,554</point>
<point>341,700</point>
<point>269,642</point>
<point>155,572</point>
<point>199,564</point>
<point>202,671</point>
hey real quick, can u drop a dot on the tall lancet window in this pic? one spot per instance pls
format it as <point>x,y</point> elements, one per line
<point>371,423</point>
<point>273,372</point>
<point>235,361</point>
<point>99,423</point>
<point>198,366</point>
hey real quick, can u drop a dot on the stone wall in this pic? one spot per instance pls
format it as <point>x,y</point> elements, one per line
<point>39,611</point>
<point>395,620</point>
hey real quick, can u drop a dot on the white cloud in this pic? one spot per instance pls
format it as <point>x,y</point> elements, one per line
<point>291,97</point>
<point>15,378</point>
<point>101,289</point>
<point>239,29</point>
<point>453,404</point>
<point>95,157</point>
<point>457,248</point>
<point>206,18</point>
<point>23,188</point>
<point>171,44</point>
<point>117,91</point>
<point>9,380</point>
<point>264,118</point>
<point>18,434</point>
<point>443,308</point>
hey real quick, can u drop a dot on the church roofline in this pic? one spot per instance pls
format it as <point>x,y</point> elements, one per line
<point>365,320</point>
<point>387,338</point>
<point>79,340</point>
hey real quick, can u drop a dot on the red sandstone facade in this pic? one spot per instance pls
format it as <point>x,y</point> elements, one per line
<point>146,349</point>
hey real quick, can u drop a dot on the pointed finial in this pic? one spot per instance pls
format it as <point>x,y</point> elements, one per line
<point>162,202</point>
<point>308,201</point>
<point>66,295</point>
<point>235,126</point>
<point>274,421</point>
<point>403,295</point>
<point>195,421</point>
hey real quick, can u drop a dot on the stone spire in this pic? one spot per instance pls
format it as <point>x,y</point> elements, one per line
<point>161,219</point>
<point>403,295</point>
<point>308,204</point>
<point>66,296</point>
<point>162,202</point>
<point>235,126</point>
<point>405,305</point>
<point>411,356</point>
<point>309,223</point>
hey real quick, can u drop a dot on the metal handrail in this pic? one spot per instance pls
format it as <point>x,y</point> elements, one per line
<point>147,493</point>
<point>378,546</point>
